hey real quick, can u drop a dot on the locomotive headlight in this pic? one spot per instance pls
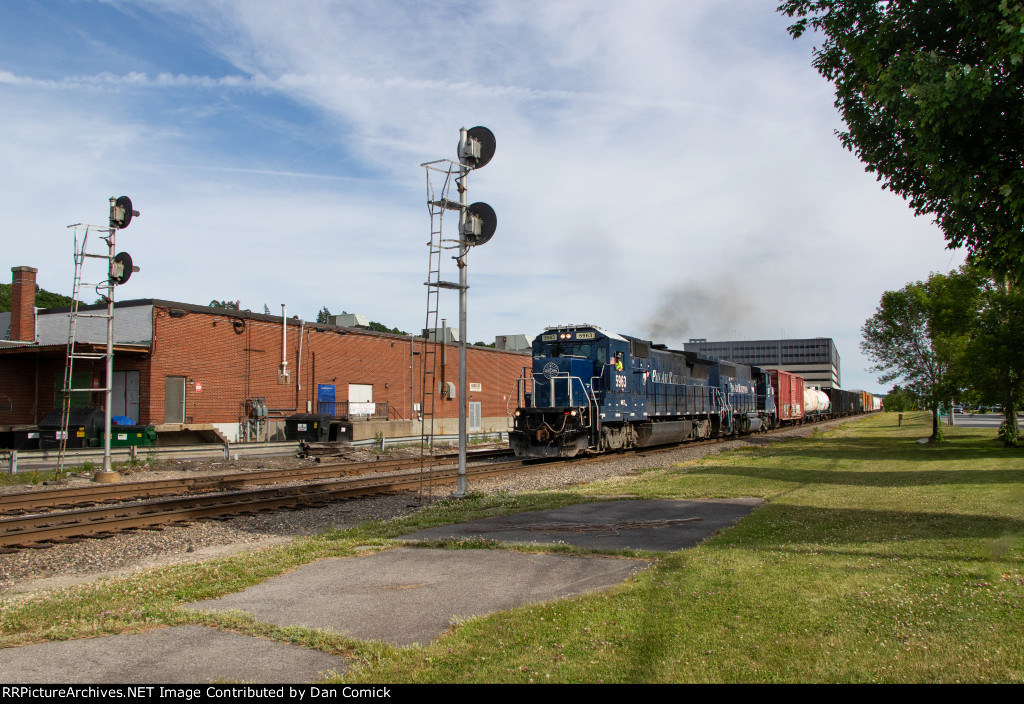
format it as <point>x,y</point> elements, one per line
<point>572,412</point>
<point>516,414</point>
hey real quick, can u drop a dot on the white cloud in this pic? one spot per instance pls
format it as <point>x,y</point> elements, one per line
<point>660,161</point>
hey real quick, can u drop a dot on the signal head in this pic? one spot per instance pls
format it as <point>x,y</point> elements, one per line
<point>479,225</point>
<point>121,212</point>
<point>478,149</point>
<point>121,268</point>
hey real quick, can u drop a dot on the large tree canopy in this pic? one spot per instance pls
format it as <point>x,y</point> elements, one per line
<point>932,93</point>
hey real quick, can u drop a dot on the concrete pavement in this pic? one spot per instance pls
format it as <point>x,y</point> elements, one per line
<point>403,596</point>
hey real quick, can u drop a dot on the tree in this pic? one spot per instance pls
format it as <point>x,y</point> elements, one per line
<point>381,327</point>
<point>952,314</point>
<point>931,93</point>
<point>958,336</point>
<point>995,353</point>
<point>900,400</point>
<point>44,299</point>
<point>230,305</point>
<point>903,343</point>
<point>323,315</point>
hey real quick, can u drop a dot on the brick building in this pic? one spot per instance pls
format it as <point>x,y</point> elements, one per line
<point>211,371</point>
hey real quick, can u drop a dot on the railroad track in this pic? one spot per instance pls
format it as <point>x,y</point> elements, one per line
<point>45,530</point>
<point>69,497</point>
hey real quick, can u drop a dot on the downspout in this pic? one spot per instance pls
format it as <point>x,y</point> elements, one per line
<point>444,356</point>
<point>298,369</point>
<point>284,343</point>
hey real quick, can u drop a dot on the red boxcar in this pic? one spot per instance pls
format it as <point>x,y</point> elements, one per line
<point>789,395</point>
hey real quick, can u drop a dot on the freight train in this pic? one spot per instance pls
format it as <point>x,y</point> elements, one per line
<point>591,390</point>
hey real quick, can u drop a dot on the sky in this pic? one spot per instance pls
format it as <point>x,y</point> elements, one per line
<point>663,169</point>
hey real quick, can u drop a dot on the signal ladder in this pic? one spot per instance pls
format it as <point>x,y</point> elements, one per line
<point>104,290</point>
<point>446,172</point>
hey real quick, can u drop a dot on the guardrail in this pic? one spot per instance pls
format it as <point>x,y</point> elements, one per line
<point>29,460</point>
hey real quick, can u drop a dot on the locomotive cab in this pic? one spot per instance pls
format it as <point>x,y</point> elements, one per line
<point>558,413</point>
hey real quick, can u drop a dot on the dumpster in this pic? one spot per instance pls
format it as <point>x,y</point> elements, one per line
<point>129,435</point>
<point>84,428</point>
<point>20,438</point>
<point>311,427</point>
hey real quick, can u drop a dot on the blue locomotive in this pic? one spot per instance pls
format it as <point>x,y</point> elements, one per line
<point>591,390</point>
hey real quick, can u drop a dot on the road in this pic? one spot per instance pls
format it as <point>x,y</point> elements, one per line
<point>981,420</point>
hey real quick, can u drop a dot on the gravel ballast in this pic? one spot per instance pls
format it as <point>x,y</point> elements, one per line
<point>33,571</point>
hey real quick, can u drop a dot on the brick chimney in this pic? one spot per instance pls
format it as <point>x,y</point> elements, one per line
<point>23,301</point>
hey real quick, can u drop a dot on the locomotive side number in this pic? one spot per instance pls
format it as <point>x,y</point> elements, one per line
<point>620,381</point>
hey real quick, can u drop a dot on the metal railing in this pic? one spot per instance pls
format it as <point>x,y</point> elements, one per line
<point>550,383</point>
<point>352,410</point>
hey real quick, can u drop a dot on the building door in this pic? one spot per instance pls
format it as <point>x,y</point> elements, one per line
<point>360,400</point>
<point>325,398</point>
<point>124,397</point>
<point>473,417</point>
<point>174,399</point>
<point>360,393</point>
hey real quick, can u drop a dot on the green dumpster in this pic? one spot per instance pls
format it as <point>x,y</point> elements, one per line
<point>128,435</point>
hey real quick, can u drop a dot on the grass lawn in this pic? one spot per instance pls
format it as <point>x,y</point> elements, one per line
<point>876,559</point>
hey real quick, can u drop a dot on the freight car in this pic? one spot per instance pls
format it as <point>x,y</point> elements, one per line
<point>789,396</point>
<point>797,404</point>
<point>817,405</point>
<point>590,390</point>
<point>844,403</point>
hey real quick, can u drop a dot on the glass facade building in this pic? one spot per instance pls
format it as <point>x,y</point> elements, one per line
<point>815,359</point>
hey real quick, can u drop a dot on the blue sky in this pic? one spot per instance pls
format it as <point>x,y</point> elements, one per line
<point>663,168</point>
